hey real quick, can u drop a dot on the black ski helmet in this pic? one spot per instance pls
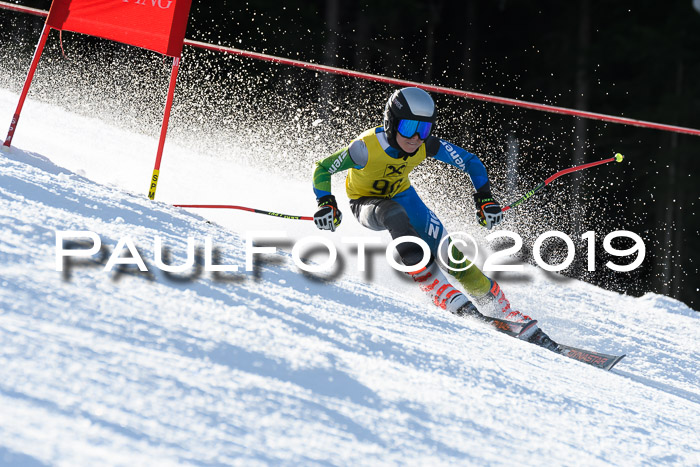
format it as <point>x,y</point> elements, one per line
<point>407,104</point>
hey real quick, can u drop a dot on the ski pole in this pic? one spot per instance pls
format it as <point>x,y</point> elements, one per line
<point>617,158</point>
<point>243,208</point>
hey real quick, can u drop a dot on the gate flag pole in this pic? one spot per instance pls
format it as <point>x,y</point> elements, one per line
<point>164,127</point>
<point>27,82</point>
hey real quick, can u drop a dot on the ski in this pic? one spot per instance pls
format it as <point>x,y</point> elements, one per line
<point>510,328</point>
<point>598,360</point>
<point>513,329</point>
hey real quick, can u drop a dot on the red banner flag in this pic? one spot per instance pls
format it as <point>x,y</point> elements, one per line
<point>157,25</point>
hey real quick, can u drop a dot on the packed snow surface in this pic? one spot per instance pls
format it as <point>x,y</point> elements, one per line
<point>274,366</point>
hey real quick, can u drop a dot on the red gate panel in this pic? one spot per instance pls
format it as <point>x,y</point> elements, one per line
<point>157,25</point>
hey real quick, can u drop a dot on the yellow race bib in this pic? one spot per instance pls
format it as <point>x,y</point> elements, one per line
<point>383,176</point>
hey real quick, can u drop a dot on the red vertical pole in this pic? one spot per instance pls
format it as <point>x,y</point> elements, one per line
<point>164,127</point>
<point>27,83</point>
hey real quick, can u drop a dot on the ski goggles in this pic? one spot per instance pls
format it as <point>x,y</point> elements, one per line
<point>408,128</point>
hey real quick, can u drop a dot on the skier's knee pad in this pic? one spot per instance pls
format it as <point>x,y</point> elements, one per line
<point>394,218</point>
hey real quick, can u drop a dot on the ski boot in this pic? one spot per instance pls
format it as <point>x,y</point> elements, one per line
<point>494,303</point>
<point>432,281</point>
<point>538,337</point>
<point>468,309</point>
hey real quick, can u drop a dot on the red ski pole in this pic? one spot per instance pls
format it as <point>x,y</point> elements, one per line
<point>243,208</point>
<point>617,158</point>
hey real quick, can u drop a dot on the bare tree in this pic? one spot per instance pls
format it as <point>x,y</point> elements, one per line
<point>330,53</point>
<point>361,55</point>
<point>469,49</point>
<point>434,12</point>
<point>676,198</point>
<point>581,103</point>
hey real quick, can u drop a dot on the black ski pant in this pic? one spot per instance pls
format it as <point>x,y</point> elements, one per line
<point>387,214</point>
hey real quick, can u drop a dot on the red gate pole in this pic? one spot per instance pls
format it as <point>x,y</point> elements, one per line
<point>164,127</point>
<point>27,83</point>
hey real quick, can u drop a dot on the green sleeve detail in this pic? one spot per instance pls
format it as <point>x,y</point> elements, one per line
<point>337,162</point>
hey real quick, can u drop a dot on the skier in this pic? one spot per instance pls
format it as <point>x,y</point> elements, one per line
<point>382,198</point>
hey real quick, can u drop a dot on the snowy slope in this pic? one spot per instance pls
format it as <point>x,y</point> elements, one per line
<point>272,366</point>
